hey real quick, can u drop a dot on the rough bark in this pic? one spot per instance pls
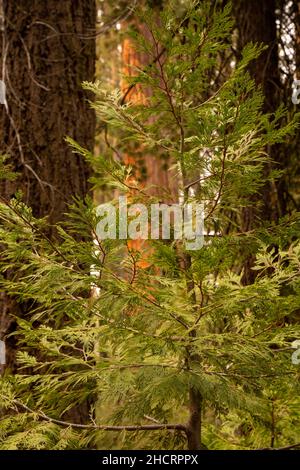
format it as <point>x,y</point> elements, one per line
<point>48,50</point>
<point>150,171</point>
<point>296,9</point>
<point>195,420</point>
<point>150,168</point>
<point>44,62</point>
<point>256,22</point>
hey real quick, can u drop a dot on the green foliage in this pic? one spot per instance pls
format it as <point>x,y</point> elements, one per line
<point>6,172</point>
<point>145,338</point>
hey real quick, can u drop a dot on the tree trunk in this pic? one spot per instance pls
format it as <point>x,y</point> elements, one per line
<point>296,9</point>
<point>46,57</point>
<point>195,421</point>
<point>150,171</point>
<point>48,50</point>
<point>256,22</point>
<point>150,168</point>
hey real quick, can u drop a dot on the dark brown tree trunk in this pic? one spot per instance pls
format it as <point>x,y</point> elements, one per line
<point>256,22</point>
<point>46,57</point>
<point>296,9</point>
<point>195,421</point>
<point>48,50</point>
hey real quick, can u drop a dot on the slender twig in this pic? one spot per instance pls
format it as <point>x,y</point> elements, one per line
<point>198,180</point>
<point>132,86</point>
<point>292,446</point>
<point>104,28</point>
<point>222,176</point>
<point>273,424</point>
<point>142,427</point>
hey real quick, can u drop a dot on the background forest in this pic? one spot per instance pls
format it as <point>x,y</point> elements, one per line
<point>147,344</point>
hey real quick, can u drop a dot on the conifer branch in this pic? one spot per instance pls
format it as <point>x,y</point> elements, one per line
<point>104,427</point>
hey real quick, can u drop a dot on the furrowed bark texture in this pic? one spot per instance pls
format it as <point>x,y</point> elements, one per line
<point>47,51</point>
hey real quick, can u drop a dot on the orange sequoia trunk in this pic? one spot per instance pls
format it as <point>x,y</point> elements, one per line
<point>149,170</point>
